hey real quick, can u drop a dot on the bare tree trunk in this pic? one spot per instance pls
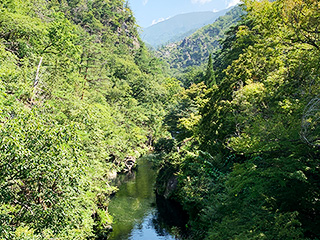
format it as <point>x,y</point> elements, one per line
<point>36,80</point>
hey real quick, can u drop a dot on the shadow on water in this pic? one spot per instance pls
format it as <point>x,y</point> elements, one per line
<point>169,217</point>
<point>141,215</point>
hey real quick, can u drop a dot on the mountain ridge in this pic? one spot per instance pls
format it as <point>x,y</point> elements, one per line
<point>194,50</point>
<point>178,27</point>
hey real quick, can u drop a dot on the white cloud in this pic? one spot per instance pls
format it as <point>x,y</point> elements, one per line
<point>159,20</point>
<point>144,2</point>
<point>215,10</point>
<point>232,3</point>
<point>200,1</point>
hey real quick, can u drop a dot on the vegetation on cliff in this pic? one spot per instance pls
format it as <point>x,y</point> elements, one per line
<point>79,92</point>
<point>246,157</point>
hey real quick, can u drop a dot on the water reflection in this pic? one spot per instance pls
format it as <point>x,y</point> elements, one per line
<point>138,214</point>
<point>146,230</point>
<point>169,217</point>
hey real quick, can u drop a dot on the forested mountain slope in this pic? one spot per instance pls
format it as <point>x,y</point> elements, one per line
<point>176,28</point>
<point>194,50</point>
<point>245,152</point>
<point>79,93</point>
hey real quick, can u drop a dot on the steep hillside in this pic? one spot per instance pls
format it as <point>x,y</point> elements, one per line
<point>195,49</point>
<point>79,96</point>
<point>178,27</point>
<point>245,150</point>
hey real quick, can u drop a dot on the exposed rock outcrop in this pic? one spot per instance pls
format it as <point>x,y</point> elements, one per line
<point>129,163</point>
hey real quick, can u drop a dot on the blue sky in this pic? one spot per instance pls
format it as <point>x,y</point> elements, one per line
<point>148,12</point>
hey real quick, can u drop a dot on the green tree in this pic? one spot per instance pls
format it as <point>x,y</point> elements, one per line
<point>209,77</point>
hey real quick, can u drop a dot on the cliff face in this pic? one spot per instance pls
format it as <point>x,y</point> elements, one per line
<point>104,17</point>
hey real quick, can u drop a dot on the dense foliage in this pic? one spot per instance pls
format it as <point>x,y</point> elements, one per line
<point>79,93</point>
<point>247,163</point>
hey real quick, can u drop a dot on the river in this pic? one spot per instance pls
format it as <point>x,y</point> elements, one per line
<point>141,215</point>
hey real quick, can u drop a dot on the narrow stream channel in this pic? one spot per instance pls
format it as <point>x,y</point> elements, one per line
<point>139,214</point>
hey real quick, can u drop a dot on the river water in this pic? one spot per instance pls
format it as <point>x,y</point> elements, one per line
<point>141,215</point>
